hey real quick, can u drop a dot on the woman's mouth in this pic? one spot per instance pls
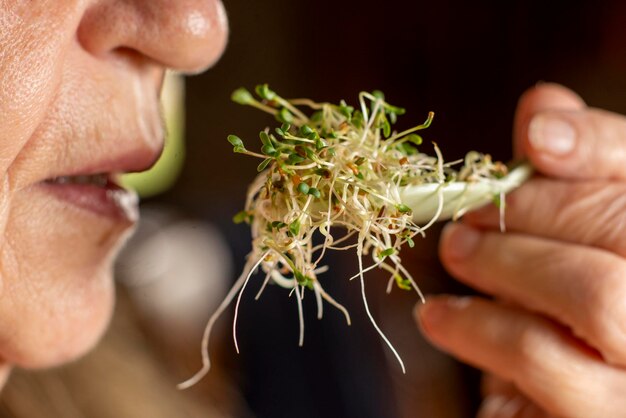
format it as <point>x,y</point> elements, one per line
<point>97,193</point>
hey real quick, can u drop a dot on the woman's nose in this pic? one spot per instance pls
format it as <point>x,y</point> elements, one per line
<point>185,35</point>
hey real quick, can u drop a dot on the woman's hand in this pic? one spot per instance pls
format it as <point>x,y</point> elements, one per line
<point>553,340</point>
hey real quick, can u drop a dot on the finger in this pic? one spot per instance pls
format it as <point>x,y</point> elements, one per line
<point>587,213</point>
<point>582,288</point>
<point>542,97</point>
<point>544,362</point>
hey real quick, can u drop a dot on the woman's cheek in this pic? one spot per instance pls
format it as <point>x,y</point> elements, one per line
<point>56,291</point>
<point>34,36</point>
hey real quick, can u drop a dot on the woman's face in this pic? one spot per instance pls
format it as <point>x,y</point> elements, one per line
<point>79,86</point>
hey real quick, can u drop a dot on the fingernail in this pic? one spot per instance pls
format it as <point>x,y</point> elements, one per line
<point>459,302</point>
<point>433,313</point>
<point>491,406</point>
<point>500,406</point>
<point>460,240</point>
<point>551,134</point>
<point>430,315</point>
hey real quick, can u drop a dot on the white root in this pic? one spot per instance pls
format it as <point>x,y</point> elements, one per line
<point>318,301</point>
<point>243,287</point>
<point>265,282</point>
<point>367,309</point>
<point>333,302</point>
<point>206,361</point>
<point>300,316</point>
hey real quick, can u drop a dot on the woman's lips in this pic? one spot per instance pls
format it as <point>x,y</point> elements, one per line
<point>96,193</point>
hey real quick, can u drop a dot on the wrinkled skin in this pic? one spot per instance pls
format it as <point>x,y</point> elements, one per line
<point>79,84</point>
<point>553,338</point>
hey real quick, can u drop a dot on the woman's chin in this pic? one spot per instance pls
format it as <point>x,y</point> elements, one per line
<point>69,330</point>
<point>56,283</point>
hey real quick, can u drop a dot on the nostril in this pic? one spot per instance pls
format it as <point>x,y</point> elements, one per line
<point>129,55</point>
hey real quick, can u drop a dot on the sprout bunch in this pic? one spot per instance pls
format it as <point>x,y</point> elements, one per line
<point>335,172</point>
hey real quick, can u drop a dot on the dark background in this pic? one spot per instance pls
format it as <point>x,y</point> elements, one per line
<point>467,61</point>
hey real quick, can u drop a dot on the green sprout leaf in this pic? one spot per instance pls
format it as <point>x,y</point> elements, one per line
<point>303,188</point>
<point>268,150</point>
<point>235,141</point>
<point>242,96</point>
<point>415,139</point>
<point>407,148</point>
<point>264,92</point>
<point>386,253</point>
<point>264,164</point>
<point>386,128</point>
<point>404,284</point>
<point>317,117</point>
<point>394,109</point>
<point>284,116</point>
<point>346,110</point>
<point>295,158</point>
<point>306,130</point>
<point>294,227</point>
<point>497,201</point>
<point>402,208</point>
<point>241,217</point>
<point>314,192</point>
<point>378,94</point>
<point>278,224</point>
<point>303,280</point>
<point>265,138</point>
<point>357,119</point>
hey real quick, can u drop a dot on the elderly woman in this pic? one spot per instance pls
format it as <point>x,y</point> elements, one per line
<point>79,87</point>
<point>78,105</point>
